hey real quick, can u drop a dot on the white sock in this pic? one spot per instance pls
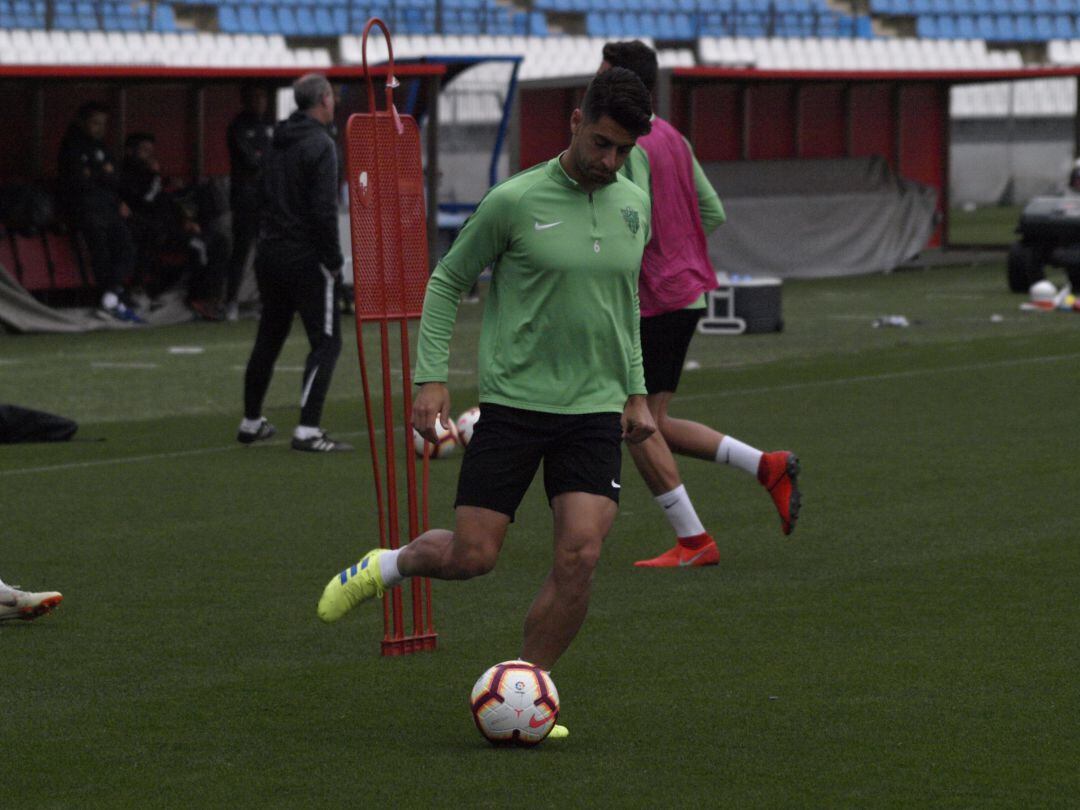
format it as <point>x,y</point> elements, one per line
<point>680,512</point>
<point>251,425</point>
<point>304,432</point>
<point>732,451</point>
<point>388,569</point>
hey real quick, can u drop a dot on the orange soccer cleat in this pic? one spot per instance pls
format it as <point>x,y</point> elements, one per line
<point>778,472</point>
<point>688,552</point>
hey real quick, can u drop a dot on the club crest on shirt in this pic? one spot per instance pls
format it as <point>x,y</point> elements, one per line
<point>632,221</point>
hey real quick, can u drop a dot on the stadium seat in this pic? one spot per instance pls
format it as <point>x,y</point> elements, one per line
<point>248,19</point>
<point>228,21</point>
<point>268,21</point>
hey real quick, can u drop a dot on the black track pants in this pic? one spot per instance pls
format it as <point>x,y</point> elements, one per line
<point>312,292</point>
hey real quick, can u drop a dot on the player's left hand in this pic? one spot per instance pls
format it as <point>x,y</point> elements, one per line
<point>637,420</point>
<point>431,402</point>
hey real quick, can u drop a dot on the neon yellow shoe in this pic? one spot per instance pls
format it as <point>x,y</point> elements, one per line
<point>354,585</point>
<point>558,732</point>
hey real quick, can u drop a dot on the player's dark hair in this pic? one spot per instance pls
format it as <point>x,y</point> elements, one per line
<point>636,56</point>
<point>619,94</point>
<point>309,90</point>
<point>89,109</point>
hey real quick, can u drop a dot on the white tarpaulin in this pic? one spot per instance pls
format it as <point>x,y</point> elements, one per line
<point>21,312</point>
<point>814,218</point>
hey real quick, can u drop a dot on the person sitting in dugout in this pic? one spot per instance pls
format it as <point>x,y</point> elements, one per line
<point>170,238</point>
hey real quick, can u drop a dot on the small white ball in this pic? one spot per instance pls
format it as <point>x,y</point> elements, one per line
<point>448,441</point>
<point>466,423</point>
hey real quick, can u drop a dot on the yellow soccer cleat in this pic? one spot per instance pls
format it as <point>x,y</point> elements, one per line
<point>558,732</point>
<point>354,585</point>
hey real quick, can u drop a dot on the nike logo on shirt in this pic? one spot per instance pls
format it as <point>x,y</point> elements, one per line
<point>540,227</point>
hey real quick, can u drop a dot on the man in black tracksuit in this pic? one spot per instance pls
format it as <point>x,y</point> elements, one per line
<point>89,193</point>
<point>249,139</point>
<point>298,264</point>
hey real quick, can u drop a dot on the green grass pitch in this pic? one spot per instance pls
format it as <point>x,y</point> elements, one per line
<point>913,644</point>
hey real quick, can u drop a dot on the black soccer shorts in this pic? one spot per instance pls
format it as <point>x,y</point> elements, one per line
<point>665,340</point>
<point>581,453</point>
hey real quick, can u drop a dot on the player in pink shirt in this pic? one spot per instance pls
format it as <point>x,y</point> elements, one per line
<point>675,276</point>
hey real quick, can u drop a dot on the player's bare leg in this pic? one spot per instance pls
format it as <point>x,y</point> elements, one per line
<point>660,471</point>
<point>582,521</point>
<point>468,551</point>
<point>777,471</point>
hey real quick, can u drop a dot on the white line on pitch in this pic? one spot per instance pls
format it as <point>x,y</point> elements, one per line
<point>205,451</point>
<point>891,375</point>
<point>740,392</point>
<point>107,364</point>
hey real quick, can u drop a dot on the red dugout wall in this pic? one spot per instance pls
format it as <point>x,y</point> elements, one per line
<point>740,114</point>
<point>187,109</point>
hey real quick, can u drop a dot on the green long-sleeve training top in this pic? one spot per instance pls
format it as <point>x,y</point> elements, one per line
<point>560,324</point>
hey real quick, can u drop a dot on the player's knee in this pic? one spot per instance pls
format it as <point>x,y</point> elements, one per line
<point>577,562</point>
<point>473,562</point>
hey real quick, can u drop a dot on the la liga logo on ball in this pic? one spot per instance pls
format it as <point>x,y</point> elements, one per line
<point>515,703</point>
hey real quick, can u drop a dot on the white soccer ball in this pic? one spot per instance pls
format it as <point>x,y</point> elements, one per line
<point>465,424</point>
<point>448,441</point>
<point>1042,291</point>
<point>515,703</point>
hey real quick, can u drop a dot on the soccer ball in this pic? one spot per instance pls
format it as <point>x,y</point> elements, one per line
<point>448,441</point>
<point>515,703</point>
<point>1042,290</point>
<point>465,424</point>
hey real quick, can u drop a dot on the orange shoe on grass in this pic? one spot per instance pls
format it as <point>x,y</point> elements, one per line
<point>688,552</point>
<point>778,472</point>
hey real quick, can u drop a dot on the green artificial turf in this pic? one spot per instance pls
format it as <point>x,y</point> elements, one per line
<point>985,225</point>
<point>912,644</point>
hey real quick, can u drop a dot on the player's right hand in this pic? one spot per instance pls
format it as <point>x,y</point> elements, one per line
<point>431,402</point>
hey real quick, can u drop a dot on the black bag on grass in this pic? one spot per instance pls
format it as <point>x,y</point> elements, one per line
<point>25,425</point>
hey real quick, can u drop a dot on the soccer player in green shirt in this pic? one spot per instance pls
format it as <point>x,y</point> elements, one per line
<point>560,369</point>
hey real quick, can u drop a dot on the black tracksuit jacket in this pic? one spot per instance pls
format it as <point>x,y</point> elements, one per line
<point>299,225</point>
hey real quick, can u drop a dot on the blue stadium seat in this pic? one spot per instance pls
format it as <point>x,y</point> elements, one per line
<point>685,26</point>
<point>946,27</point>
<point>1063,27</point>
<point>27,15</point>
<point>228,21</point>
<point>164,18</point>
<point>64,17</point>
<point>1006,29</point>
<point>248,19</point>
<point>286,21</point>
<point>268,21</point>
<point>305,20</point>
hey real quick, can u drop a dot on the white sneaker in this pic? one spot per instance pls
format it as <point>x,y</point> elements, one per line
<point>16,604</point>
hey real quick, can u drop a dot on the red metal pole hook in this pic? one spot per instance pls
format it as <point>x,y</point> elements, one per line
<point>391,81</point>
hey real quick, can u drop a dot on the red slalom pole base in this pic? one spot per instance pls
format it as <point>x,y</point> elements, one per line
<point>410,644</point>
